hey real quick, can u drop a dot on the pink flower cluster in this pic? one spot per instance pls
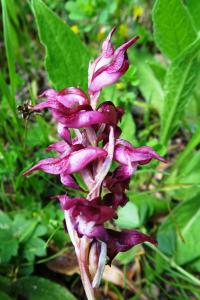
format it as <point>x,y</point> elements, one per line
<point>91,153</point>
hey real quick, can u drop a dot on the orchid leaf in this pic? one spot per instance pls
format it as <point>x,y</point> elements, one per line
<point>173,27</point>
<point>184,224</point>
<point>194,9</point>
<point>66,57</point>
<point>180,82</point>
<point>37,288</point>
<point>128,216</point>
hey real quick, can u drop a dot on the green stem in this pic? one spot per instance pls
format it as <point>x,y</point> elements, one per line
<point>173,264</point>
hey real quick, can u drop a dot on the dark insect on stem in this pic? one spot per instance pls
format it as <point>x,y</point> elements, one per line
<point>26,110</point>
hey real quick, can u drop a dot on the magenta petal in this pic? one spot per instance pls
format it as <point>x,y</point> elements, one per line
<point>64,133</point>
<point>85,118</point>
<point>107,47</point>
<point>88,216</point>
<point>104,58</point>
<point>144,154</point>
<point>110,73</point>
<point>50,94</point>
<point>71,97</point>
<point>115,199</point>
<point>52,104</point>
<point>91,211</point>
<point>67,98</point>
<point>80,159</point>
<point>97,232</point>
<point>68,163</point>
<point>124,172</point>
<point>140,155</point>
<point>120,56</point>
<point>69,181</point>
<point>124,240</point>
<point>60,147</point>
<point>50,165</point>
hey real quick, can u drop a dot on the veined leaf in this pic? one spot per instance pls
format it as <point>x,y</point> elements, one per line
<point>4,296</point>
<point>173,27</point>
<point>149,86</point>
<point>194,9</point>
<point>38,288</point>
<point>66,57</point>
<point>128,216</point>
<point>147,205</point>
<point>128,127</point>
<point>180,82</point>
<point>184,155</point>
<point>187,217</point>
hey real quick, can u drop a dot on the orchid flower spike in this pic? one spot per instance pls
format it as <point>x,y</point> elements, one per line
<point>96,145</point>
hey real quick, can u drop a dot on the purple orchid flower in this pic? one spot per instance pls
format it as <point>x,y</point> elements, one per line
<point>110,65</point>
<point>91,153</point>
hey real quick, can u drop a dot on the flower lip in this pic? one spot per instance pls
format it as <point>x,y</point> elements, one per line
<point>85,118</point>
<point>69,163</point>
<point>68,97</point>
<point>124,240</point>
<point>141,155</point>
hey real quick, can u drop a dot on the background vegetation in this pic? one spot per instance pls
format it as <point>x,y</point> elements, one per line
<point>161,97</point>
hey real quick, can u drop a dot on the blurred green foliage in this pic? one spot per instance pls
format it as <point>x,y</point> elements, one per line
<point>49,44</point>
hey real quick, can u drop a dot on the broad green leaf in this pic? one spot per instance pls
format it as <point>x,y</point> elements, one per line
<point>186,169</point>
<point>20,226</point>
<point>128,127</point>
<point>37,288</point>
<point>188,175</point>
<point>180,82</point>
<point>173,27</point>
<point>187,217</point>
<point>5,284</point>
<point>34,247</point>
<point>194,9</point>
<point>185,155</point>
<point>128,256</point>
<point>4,296</point>
<point>195,265</point>
<point>5,221</point>
<point>149,85</point>
<point>147,205</point>
<point>8,246</point>
<point>128,216</point>
<point>66,57</point>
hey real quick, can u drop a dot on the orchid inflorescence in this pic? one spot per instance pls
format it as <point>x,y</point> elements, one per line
<point>91,153</point>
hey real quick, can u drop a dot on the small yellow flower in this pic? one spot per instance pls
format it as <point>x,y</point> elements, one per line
<point>101,34</point>
<point>123,30</point>
<point>138,11</point>
<point>120,85</point>
<point>75,28</point>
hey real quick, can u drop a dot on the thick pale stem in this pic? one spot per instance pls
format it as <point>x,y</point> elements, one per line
<point>81,246</point>
<point>84,268</point>
<point>72,233</point>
